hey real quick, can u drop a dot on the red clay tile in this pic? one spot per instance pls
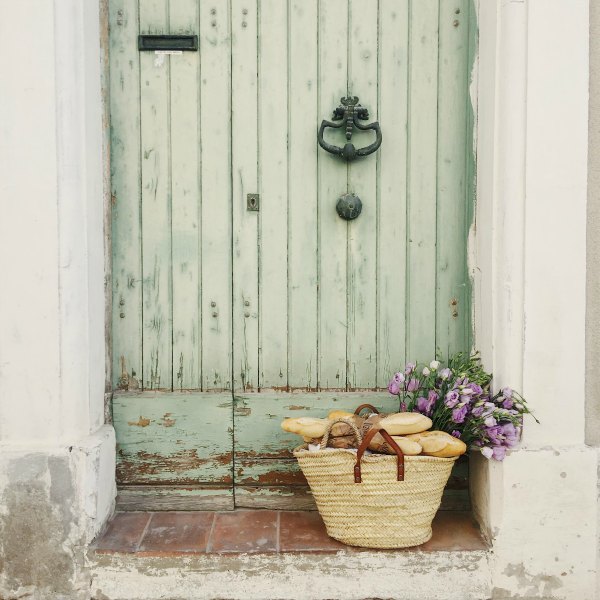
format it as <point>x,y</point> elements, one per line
<point>454,531</point>
<point>177,532</point>
<point>244,531</point>
<point>305,531</point>
<point>124,532</point>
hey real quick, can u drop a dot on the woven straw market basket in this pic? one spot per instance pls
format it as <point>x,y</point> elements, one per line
<point>374,500</point>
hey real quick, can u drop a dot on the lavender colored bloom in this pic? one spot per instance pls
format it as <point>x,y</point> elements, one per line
<point>422,405</point>
<point>456,433</point>
<point>475,389</point>
<point>409,368</point>
<point>511,435</point>
<point>477,411</point>
<point>507,392</point>
<point>459,413</point>
<point>413,385</point>
<point>508,403</point>
<point>487,452</point>
<point>499,452</point>
<point>445,373</point>
<point>394,388</point>
<point>490,422</point>
<point>495,435</point>
<point>452,398</point>
<point>399,377</point>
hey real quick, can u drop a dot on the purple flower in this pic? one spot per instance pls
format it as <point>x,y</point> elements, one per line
<point>477,411</point>
<point>413,385</point>
<point>499,452</point>
<point>459,413</point>
<point>508,403</point>
<point>394,387</point>
<point>456,433</point>
<point>409,368</point>
<point>511,435</point>
<point>399,377</point>
<point>490,422</point>
<point>487,452</point>
<point>476,389</point>
<point>425,405</point>
<point>452,398</point>
<point>445,373</point>
<point>422,405</point>
<point>495,435</point>
<point>507,392</point>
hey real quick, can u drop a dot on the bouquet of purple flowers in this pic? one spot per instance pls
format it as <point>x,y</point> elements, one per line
<point>459,401</point>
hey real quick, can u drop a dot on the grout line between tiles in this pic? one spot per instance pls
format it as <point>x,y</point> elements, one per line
<point>211,533</point>
<point>144,531</point>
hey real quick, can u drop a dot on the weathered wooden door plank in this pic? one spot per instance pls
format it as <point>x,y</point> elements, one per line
<point>391,237</point>
<point>362,180</point>
<point>422,189</point>
<point>174,439</point>
<point>215,117</point>
<point>273,187</point>
<point>452,308</point>
<point>332,183</point>
<point>244,144</point>
<point>125,186</point>
<point>303,191</point>
<point>184,90</point>
<point>156,203</point>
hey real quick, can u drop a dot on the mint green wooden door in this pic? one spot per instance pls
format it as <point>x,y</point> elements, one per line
<point>226,320</point>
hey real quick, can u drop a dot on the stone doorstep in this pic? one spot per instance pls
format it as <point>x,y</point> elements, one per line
<point>261,554</point>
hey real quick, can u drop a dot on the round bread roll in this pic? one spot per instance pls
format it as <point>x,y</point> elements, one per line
<point>306,426</point>
<point>408,446</point>
<point>439,443</point>
<point>405,423</point>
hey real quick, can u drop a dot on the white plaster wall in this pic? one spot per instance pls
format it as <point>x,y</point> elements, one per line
<point>57,458</point>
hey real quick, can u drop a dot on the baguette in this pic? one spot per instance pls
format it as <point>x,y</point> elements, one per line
<point>408,446</point>
<point>439,443</point>
<point>398,423</point>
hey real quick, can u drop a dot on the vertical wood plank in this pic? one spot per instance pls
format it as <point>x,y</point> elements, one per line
<point>273,187</point>
<point>333,182</point>
<point>244,144</point>
<point>421,218</point>
<point>156,202</point>
<point>452,279</point>
<point>125,177</point>
<point>302,234</point>
<point>215,67</point>
<point>362,178</point>
<point>185,174</point>
<point>391,239</point>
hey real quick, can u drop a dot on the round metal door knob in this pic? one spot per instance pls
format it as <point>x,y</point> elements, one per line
<point>349,206</point>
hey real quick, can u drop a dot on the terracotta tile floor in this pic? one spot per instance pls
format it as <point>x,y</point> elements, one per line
<point>255,531</point>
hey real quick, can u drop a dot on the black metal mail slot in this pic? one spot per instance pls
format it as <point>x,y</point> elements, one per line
<point>168,42</point>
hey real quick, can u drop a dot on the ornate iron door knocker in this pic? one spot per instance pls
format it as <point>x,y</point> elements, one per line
<point>348,115</point>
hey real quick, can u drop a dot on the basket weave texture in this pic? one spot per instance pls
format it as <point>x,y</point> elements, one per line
<point>380,512</point>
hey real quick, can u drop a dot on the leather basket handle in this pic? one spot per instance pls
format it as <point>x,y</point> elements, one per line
<point>363,406</point>
<point>365,444</point>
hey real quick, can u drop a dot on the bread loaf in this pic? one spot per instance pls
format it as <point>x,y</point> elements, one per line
<point>405,423</point>
<point>340,414</point>
<point>439,443</point>
<point>408,446</point>
<point>306,426</point>
<point>310,427</point>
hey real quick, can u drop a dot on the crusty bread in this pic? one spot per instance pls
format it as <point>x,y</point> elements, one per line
<point>439,443</point>
<point>405,423</point>
<point>306,426</point>
<point>408,446</point>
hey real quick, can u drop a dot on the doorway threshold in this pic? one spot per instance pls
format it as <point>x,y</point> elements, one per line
<point>148,534</point>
